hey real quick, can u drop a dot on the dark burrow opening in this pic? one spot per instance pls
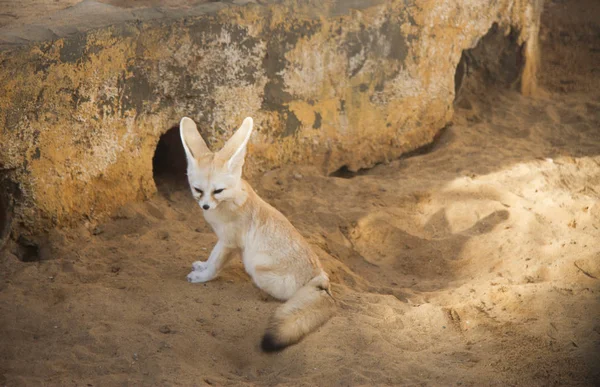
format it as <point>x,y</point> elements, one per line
<point>9,194</point>
<point>496,61</point>
<point>169,164</point>
<point>5,215</point>
<point>344,173</point>
<point>27,249</point>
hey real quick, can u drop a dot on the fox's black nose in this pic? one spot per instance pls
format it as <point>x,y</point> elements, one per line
<point>206,206</point>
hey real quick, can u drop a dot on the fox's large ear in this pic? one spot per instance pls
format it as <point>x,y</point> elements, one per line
<point>193,143</point>
<point>234,150</point>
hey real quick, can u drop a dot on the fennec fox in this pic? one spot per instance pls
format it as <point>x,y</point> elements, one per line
<point>274,254</point>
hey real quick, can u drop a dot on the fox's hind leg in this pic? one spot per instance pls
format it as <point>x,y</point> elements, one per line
<point>276,282</point>
<point>203,271</point>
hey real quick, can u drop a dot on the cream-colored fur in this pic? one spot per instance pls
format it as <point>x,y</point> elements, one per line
<point>274,253</point>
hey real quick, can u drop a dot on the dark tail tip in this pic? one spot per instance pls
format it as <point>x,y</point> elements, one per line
<point>270,344</point>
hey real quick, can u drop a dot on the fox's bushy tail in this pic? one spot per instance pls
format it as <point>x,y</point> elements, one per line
<point>309,308</point>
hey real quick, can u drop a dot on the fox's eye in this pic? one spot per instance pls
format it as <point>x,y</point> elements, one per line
<point>198,190</point>
<point>218,191</point>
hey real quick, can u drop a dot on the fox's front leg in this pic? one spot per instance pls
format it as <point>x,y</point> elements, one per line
<point>203,271</point>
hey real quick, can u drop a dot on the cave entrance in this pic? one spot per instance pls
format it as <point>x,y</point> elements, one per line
<point>169,164</point>
<point>496,62</point>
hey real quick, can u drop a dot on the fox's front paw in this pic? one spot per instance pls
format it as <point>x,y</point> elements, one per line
<point>199,266</point>
<point>200,276</point>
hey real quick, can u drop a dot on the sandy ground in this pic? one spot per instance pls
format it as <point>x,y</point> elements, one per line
<point>476,262</point>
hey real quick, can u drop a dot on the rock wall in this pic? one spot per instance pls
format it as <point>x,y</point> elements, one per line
<point>328,83</point>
